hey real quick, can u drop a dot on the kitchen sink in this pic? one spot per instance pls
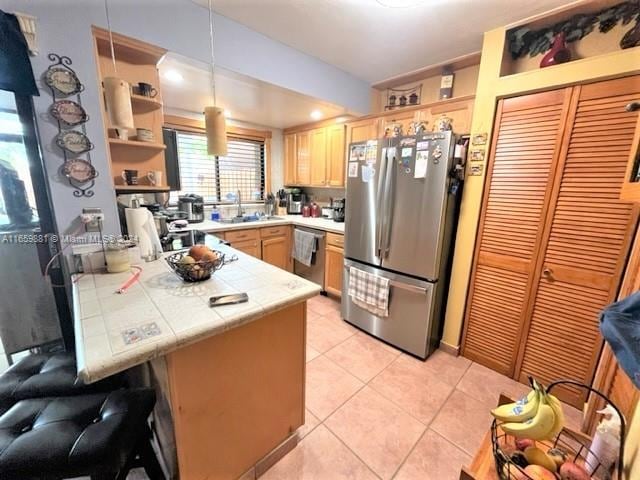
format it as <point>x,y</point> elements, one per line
<point>248,219</point>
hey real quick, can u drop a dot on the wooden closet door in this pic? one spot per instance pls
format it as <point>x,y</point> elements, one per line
<point>524,153</point>
<point>587,239</point>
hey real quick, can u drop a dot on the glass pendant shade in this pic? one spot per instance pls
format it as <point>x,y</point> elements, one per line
<point>118,102</point>
<point>216,130</point>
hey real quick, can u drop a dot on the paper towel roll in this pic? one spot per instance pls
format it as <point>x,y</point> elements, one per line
<point>140,224</point>
<point>117,95</point>
<point>216,130</point>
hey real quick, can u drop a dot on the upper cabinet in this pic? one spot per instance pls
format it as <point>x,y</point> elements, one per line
<point>315,157</point>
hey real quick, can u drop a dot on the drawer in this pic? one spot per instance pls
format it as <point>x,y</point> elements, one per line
<point>274,231</point>
<point>335,239</point>
<point>232,236</point>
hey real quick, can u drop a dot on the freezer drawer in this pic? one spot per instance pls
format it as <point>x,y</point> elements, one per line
<point>410,325</point>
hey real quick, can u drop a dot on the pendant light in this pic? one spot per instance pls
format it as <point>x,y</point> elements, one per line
<point>117,92</point>
<point>214,120</point>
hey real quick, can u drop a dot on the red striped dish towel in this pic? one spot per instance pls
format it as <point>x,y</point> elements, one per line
<point>369,291</point>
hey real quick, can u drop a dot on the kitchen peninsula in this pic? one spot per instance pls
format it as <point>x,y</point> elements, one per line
<point>234,375</point>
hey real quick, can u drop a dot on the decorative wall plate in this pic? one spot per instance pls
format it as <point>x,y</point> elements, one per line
<point>79,170</point>
<point>63,81</point>
<point>74,141</point>
<point>69,112</point>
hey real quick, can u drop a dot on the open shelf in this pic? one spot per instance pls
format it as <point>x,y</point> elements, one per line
<point>140,188</point>
<point>137,144</point>
<point>145,103</point>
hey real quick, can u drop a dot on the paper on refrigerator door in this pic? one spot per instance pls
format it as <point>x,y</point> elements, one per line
<point>422,162</point>
<point>367,172</point>
<point>353,169</point>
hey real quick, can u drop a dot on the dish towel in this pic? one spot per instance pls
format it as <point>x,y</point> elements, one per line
<point>304,245</point>
<point>620,327</point>
<point>369,291</point>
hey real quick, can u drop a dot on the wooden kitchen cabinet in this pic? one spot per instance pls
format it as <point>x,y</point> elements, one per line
<point>290,159</point>
<point>315,156</point>
<point>276,247</point>
<point>303,158</point>
<point>318,155</point>
<point>362,130</point>
<point>334,264</point>
<point>250,247</point>
<point>336,150</point>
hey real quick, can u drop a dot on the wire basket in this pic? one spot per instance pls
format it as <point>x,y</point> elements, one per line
<point>196,271</point>
<point>575,445</point>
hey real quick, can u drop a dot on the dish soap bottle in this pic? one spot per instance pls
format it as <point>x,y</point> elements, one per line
<point>605,446</point>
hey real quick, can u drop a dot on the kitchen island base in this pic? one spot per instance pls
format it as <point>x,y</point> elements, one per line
<point>238,395</point>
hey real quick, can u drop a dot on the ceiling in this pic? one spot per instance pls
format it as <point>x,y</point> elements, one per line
<point>244,98</point>
<point>375,42</point>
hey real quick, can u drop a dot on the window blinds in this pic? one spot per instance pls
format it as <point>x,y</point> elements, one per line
<point>217,179</point>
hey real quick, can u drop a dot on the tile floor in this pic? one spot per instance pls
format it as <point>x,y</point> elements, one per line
<point>376,413</point>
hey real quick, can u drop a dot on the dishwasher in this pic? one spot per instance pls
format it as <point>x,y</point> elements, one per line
<point>315,272</point>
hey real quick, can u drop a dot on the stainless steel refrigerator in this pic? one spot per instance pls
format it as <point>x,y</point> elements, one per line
<point>400,219</point>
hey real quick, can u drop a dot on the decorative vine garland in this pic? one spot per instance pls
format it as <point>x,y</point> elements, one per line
<point>523,40</point>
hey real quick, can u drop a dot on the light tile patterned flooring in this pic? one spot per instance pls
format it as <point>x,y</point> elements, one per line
<point>376,413</point>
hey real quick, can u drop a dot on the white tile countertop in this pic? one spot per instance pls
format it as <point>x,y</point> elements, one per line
<point>320,223</point>
<point>164,313</point>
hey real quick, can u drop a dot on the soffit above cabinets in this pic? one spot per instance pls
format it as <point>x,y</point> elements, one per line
<point>244,98</point>
<point>375,42</point>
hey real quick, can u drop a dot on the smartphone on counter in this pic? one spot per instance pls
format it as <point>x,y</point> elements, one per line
<point>231,299</point>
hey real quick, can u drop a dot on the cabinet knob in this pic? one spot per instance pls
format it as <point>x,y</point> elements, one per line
<point>547,273</point>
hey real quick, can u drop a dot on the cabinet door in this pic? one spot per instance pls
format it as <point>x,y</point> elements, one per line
<point>403,119</point>
<point>290,156</point>
<point>335,155</point>
<point>525,150</point>
<point>250,247</point>
<point>362,130</point>
<point>319,157</point>
<point>276,251</point>
<point>333,267</point>
<point>303,158</point>
<point>589,232</point>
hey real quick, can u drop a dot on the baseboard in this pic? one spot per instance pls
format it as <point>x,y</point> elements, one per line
<point>450,349</point>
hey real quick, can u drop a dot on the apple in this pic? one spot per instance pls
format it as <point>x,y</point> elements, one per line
<point>536,472</point>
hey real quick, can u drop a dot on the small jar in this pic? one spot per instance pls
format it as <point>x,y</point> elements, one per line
<point>117,256</point>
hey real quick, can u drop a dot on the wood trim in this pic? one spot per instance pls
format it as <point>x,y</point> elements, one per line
<point>322,123</point>
<point>129,43</point>
<point>197,126</point>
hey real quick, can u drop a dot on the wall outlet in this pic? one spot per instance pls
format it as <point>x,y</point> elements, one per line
<point>92,217</point>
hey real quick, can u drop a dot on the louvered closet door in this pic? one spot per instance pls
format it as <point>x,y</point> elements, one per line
<point>587,239</point>
<point>525,150</point>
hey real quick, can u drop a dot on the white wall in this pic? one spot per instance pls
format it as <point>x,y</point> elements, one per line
<point>64,27</point>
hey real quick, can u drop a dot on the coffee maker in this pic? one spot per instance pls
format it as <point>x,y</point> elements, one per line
<point>295,202</point>
<point>338,209</point>
<point>193,206</point>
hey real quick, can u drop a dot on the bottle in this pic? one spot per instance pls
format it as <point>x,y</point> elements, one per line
<point>215,214</point>
<point>605,446</point>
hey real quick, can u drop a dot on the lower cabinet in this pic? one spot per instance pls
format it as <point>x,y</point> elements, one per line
<point>250,247</point>
<point>270,244</point>
<point>334,264</point>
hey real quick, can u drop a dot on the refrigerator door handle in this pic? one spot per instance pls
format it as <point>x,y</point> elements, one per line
<point>406,286</point>
<point>379,205</point>
<point>389,184</point>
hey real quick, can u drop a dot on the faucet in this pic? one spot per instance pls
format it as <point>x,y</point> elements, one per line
<point>239,198</point>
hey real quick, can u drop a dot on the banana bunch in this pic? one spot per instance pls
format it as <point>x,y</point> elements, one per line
<point>538,416</point>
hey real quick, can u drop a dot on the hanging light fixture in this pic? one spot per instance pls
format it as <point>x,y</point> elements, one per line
<point>117,92</point>
<point>214,119</point>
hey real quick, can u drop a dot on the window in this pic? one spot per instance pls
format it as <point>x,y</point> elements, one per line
<point>217,179</point>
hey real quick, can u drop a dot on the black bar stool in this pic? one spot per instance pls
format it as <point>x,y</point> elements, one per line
<point>103,435</point>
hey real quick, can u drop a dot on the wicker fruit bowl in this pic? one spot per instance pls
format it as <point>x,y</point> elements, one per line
<point>191,270</point>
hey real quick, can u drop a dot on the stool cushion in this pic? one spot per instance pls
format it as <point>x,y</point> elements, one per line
<point>72,436</point>
<point>46,375</point>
